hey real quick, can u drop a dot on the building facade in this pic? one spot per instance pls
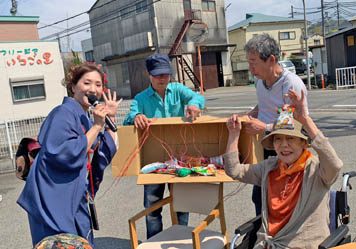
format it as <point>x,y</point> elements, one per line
<point>19,28</point>
<point>125,32</point>
<point>31,70</point>
<point>341,51</point>
<point>30,75</point>
<point>286,31</point>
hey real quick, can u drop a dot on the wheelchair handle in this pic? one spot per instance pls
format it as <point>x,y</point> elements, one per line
<point>233,241</point>
<point>346,177</point>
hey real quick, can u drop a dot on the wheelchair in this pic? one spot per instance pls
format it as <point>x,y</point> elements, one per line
<point>339,218</point>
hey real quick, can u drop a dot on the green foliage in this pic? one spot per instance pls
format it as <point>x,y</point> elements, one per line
<point>76,59</point>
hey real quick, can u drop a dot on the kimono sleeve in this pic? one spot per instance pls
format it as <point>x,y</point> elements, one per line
<point>63,141</point>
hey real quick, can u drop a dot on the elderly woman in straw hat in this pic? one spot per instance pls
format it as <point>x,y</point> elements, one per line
<point>295,184</point>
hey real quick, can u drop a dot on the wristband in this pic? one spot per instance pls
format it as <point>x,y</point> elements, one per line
<point>268,128</point>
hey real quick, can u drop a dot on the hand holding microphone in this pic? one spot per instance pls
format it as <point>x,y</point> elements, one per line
<point>93,100</point>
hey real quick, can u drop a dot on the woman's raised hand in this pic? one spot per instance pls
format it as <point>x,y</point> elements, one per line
<point>111,104</point>
<point>299,104</point>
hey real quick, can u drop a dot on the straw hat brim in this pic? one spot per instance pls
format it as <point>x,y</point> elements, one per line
<point>267,141</point>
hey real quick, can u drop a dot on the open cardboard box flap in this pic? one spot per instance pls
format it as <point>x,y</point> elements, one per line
<point>206,136</point>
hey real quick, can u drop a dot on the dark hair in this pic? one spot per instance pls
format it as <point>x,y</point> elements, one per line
<point>264,44</point>
<point>76,72</point>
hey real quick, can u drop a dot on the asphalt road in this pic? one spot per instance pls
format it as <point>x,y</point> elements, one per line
<point>118,200</point>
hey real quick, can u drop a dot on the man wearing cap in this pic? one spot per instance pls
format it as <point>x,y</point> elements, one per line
<point>295,184</point>
<point>161,99</point>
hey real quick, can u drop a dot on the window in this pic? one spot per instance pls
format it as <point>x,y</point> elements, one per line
<point>317,42</point>
<point>89,56</point>
<point>187,5</point>
<point>24,89</point>
<point>141,7</point>
<point>208,5</point>
<point>287,35</point>
<point>125,73</point>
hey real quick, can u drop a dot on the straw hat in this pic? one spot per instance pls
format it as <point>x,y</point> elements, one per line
<point>295,130</point>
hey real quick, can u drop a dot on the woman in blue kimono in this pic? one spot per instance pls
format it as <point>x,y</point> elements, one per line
<point>56,192</point>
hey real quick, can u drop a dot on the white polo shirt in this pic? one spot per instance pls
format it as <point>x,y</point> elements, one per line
<point>272,98</point>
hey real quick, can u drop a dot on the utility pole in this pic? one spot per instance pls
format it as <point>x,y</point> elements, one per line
<point>338,14</point>
<point>13,9</point>
<point>306,45</point>
<point>323,34</point>
<point>292,11</point>
<point>59,44</point>
<point>68,38</point>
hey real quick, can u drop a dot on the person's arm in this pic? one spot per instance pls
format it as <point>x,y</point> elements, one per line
<point>194,101</point>
<point>134,110</point>
<point>189,97</point>
<point>254,112</point>
<point>330,163</point>
<point>63,140</point>
<point>248,173</point>
<point>254,125</point>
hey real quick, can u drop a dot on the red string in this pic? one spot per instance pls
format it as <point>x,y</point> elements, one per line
<point>147,133</point>
<point>90,173</point>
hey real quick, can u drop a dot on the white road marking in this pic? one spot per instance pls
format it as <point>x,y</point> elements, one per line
<point>344,105</point>
<point>229,108</point>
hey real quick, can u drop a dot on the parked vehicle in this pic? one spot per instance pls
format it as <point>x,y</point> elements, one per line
<point>287,65</point>
<point>301,65</point>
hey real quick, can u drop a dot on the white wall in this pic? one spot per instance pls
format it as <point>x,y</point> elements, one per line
<point>53,74</point>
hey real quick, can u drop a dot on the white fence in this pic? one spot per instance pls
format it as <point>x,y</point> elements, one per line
<point>345,77</point>
<point>11,132</point>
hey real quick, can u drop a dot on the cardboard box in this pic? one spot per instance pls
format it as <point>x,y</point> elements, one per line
<point>206,136</point>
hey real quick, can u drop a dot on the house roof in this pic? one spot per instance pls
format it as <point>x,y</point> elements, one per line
<point>340,32</point>
<point>261,18</point>
<point>92,6</point>
<point>19,19</point>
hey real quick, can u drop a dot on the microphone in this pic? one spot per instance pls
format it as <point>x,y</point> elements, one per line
<point>93,100</point>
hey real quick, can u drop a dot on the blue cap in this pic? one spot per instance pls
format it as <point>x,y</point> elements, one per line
<point>158,64</point>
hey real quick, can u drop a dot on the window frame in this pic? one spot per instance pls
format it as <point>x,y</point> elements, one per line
<point>208,2</point>
<point>126,77</point>
<point>141,7</point>
<point>27,81</point>
<point>289,35</point>
<point>89,56</point>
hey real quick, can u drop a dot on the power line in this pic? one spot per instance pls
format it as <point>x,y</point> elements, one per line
<point>92,26</point>
<point>82,13</point>
<point>99,18</point>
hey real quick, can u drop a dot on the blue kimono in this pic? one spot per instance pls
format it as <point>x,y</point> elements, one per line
<point>55,192</point>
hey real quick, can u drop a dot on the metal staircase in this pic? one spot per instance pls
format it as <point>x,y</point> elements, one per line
<point>177,52</point>
<point>188,71</point>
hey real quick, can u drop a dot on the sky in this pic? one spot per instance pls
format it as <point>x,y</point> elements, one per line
<point>51,11</point>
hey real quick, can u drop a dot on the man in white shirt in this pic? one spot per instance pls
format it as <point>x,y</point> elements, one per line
<point>272,84</point>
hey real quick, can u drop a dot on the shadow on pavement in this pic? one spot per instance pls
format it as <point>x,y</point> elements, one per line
<point>111,243</point>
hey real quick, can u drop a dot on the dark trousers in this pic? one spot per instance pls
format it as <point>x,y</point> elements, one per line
<point>256,192</point>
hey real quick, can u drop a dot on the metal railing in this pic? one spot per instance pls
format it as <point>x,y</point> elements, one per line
<point>12,131</point>
<point>345,77</point>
